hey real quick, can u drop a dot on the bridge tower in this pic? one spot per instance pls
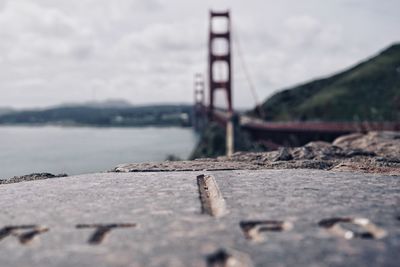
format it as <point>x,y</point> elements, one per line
<point>199,107</point>
<point>217,59</point>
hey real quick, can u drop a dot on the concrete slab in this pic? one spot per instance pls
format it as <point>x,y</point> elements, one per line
<point>155,219</point>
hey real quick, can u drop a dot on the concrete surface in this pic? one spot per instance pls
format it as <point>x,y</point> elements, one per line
<point>155,219</point>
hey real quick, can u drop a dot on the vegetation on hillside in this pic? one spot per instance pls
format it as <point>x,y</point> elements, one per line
<point>369,91</point>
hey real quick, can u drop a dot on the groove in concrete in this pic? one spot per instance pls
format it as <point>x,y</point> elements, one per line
<point>253,229</point>
<point>27,237</point>
<point>223,258</point>
<point>102,230</point>
<point>372,231</point>
<point>212,201</point>
<point>23,237</point>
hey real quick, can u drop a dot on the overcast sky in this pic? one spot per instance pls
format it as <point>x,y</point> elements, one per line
<point>146,51</point>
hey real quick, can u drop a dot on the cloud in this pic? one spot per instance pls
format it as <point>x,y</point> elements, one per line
<point>31,32</point>
<point>54,51</point>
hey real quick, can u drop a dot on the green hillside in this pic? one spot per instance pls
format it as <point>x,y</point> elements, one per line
<point>368,91</point>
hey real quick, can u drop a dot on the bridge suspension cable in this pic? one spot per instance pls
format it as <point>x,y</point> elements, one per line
<point>246,69</point>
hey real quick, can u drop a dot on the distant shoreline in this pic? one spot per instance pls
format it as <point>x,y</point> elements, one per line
<point>77,125</point>
<point>77,116</point>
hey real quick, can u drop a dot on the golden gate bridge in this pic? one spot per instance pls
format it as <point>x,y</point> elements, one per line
<point>273,134</point>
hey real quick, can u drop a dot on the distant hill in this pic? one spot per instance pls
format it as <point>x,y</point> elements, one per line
<point>109,103</point>
<point>368,91</point>
<point>154,115</point>
<point>4,111</point>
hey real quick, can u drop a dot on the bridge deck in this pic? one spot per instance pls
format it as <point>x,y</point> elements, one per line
<point>306,126</point>
<point>298,133</point>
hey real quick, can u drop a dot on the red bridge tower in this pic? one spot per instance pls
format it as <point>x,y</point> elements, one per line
<point>220,59</point>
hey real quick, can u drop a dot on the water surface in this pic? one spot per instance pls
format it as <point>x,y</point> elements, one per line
<point>77,150</point>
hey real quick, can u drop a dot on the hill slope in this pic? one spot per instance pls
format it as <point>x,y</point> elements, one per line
<point>368,91</point>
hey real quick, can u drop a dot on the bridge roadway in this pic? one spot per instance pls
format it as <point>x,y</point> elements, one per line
<point>301,132</point>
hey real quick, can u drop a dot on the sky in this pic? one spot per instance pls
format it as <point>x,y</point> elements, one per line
<point>147,51</point>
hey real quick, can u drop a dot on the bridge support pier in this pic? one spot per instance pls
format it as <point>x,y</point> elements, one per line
<point>230,136</point>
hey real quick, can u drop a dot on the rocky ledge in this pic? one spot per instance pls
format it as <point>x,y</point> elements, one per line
<point>31,177</point>
<point>374,152</point>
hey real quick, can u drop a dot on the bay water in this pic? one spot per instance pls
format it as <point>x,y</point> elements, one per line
<point>78,150</point>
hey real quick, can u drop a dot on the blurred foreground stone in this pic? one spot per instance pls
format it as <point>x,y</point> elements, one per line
<point>270,218</point>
